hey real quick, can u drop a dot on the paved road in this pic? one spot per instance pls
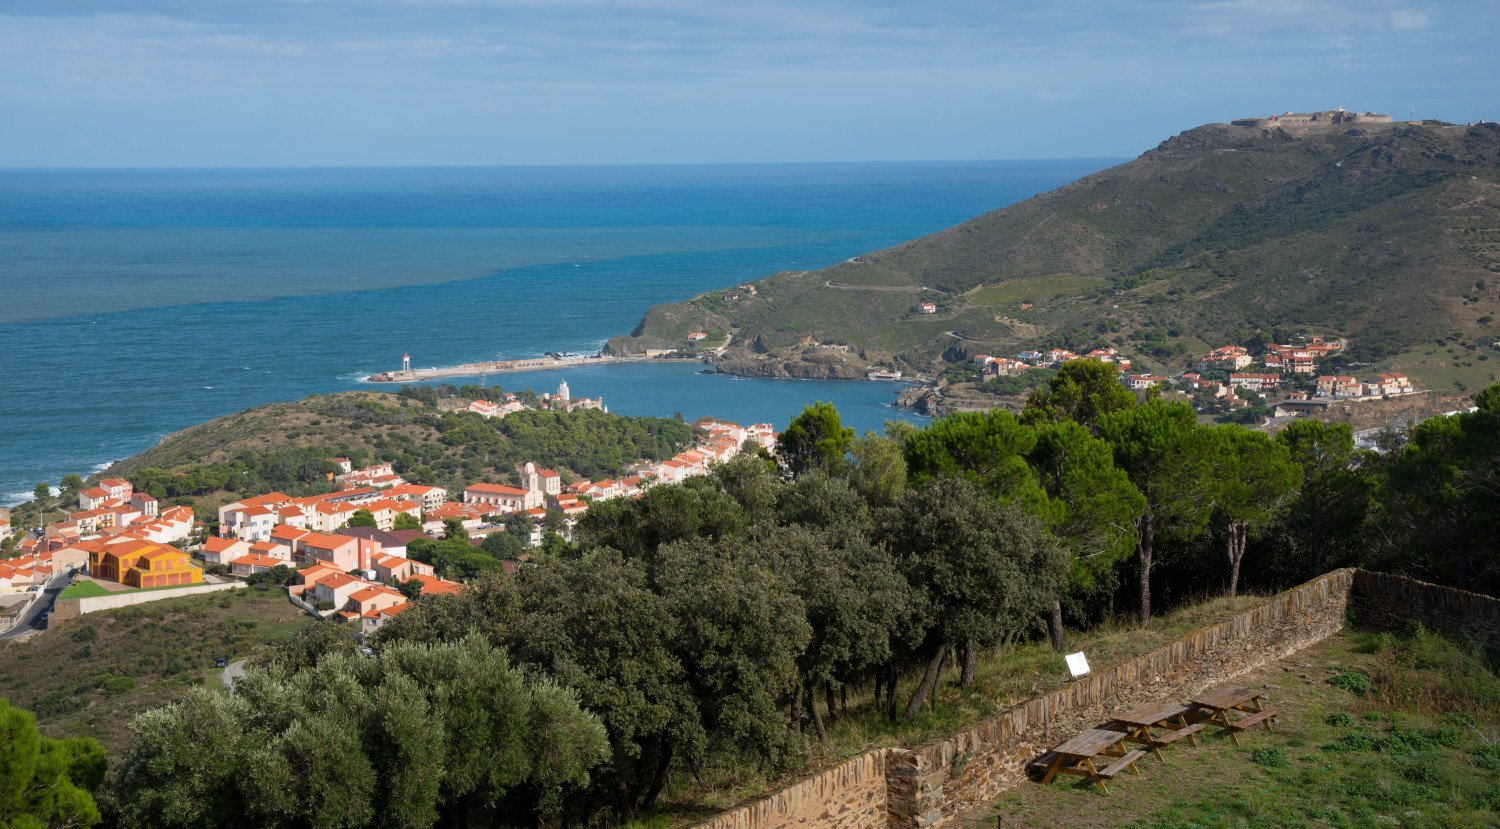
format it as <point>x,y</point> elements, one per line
<point>232,673</point>
<point>28,621</point>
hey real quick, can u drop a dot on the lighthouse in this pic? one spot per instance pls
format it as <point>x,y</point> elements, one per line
<point>406,362</point>
<point>562,391</point>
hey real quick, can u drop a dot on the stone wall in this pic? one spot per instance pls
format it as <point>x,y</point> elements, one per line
<point>936,782</point>
<point>1383,601</point>
<point>851,795</point>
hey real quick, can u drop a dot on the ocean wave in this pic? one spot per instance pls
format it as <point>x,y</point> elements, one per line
<point>100,467</point>
<point>10,499</point>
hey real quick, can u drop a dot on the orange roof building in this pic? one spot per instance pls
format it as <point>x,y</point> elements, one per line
<point>144,564</point>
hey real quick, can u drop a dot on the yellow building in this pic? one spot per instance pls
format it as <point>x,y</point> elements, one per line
<point>144,564</point>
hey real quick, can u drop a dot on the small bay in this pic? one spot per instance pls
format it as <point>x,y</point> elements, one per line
<point>136,303</point>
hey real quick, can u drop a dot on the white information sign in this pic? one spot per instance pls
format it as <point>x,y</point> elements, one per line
<point>1077,664</point>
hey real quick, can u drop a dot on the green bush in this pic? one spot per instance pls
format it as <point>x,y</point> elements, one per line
<point>115,686</point>
<point>1352,681</point>
<point>1340,720</point>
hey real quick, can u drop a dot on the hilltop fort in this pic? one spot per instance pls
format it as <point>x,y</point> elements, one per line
<point>1326,118</point>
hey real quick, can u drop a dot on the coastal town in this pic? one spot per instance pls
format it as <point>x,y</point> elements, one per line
<point>1284,378</point>
<point>344,555</point>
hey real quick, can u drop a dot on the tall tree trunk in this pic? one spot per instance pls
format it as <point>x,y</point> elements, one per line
<point>1236,552</point>
<point>659,780</point>
<point>625,802</point>
<point>971,664</point>
<point>812,708</point>
<point>844,699</point>
<point>932,693</point>
<point>833,711</point>
<point>1055,625</point>
<point>1147,543</point>
<point>929,679</point>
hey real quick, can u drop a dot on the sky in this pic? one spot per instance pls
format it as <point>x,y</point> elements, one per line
<point>461,82</point>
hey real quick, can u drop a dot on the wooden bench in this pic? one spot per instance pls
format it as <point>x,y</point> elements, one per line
<point>1125,762</point>
<point>1169,737</point>
<point>1040,764</point>
<point>1263,717</point>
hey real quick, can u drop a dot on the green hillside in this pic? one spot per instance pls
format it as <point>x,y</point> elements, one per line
<point>1387,234</point>
<point>282,446</point>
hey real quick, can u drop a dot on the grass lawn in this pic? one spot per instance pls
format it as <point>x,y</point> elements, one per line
<point>88,588</point>
<point>1409,736</point>
<point>83,589</point>
<point>88,676</point>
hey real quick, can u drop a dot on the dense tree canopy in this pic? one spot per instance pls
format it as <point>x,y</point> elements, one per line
<point>1082,391</point>
<point>815,439</point>
<point>420,733</point>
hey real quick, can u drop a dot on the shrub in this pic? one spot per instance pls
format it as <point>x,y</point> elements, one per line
<point>1340,720</point>
<point>114,686</point>
<point>1352,681</point>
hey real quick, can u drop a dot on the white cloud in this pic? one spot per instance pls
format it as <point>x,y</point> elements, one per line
<point>1408,20</point>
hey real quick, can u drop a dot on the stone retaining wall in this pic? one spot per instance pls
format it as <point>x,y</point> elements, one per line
<point>851,795</point>
<point>936,782</point>
<point>1383,602</point>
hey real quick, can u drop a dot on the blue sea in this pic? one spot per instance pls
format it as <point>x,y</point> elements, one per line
<point>134,303</point>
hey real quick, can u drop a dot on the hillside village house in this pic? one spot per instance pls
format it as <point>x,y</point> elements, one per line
<point>249,565</point>
<point>377,476</point>
<point>1384,384</point>
<point>1293,362</point>
<point>1255,382</point>
<point>502,498</point>
<point>428,497</point>
<point>1225,358</point>
<point>471,516</point>
<point>697,336</point>
<point>1141,382</point>
<point>1339,386</point>
<point>486,408</point>
<point>1192,381</point>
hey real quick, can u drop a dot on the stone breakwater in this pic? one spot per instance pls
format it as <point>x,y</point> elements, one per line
<point>417,375</point>
<point>935,783</point>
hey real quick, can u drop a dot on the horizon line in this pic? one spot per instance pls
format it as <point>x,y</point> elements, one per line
<point>578,164</point>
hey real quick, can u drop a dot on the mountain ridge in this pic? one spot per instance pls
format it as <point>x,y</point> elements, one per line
<point>1216,234</point>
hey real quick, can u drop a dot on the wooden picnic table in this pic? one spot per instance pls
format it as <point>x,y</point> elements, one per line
<point>1076,756</point>
<point>1138,722</point>
<point>1218,702</point>
<point>1214,706</point>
